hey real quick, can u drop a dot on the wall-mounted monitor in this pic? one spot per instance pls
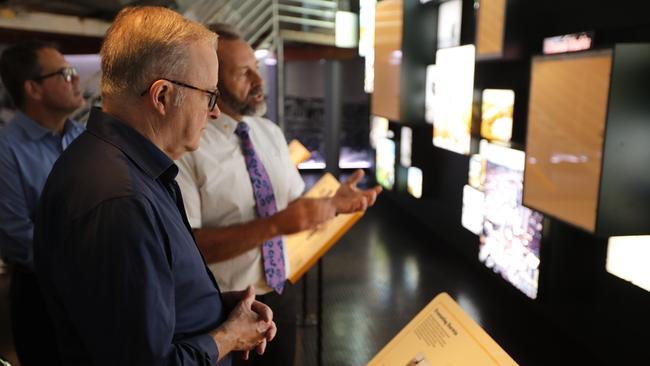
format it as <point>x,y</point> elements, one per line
<point>511,236</point>
<point>490,28</point>
<point>453,99</point>
<point>496,114</point>
<point>627,258</point>
<point>473,209</point>
<point>449,20</point>
<point>385,163</point>
<point>414,182</point>
<point>405,146</point>
<point>430,93</point>
<point>566,128</point>
<point>367,41</point>
<point>388,59</point>
<point>476,174</point>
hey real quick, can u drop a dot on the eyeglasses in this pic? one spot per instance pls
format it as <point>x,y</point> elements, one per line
<point>67,72</point>
<point>214,95</point>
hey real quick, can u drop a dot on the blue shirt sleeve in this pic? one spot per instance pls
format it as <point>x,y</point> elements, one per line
<point>16,225</point>
<point>117,287</point>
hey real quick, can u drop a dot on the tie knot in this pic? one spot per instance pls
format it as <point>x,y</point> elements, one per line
<point>242,130</point>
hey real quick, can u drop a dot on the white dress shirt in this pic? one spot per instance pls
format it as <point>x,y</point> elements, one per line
<point>217,190</point>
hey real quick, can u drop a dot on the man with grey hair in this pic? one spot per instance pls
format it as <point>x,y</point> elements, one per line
<point>243,194</point>
<point>121,274</point>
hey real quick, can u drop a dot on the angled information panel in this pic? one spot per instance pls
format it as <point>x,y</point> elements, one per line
<point>306,247</point>
<point>298,152</point>
<point>442,334</point>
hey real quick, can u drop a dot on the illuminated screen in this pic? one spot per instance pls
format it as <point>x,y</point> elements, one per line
<point>449,18</point>
<point>378,130</point>
<point>430,94</point>
<point>512,234</point>
<point>473,209</point>
<point>627,258</point>
<point>490,26</point>
<point>385,164</point>
<point>453,99</point>
<point>566,127</point>
<point>496,114</point>
<point>367,41</point>
<point>476,175</point>
<point>405,142</point>
<point>414,182</point>
<point>388,59</point>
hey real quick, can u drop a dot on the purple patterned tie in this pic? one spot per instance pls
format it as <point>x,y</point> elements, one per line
<point>265,203</point>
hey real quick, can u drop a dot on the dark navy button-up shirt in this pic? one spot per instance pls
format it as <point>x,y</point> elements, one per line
<point>27,153</point>
<point>119,268</point>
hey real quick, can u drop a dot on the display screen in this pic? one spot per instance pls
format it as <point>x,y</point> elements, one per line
<point>414,182</point>
<point>385,163</point>
<point>511,236</point>
<point>566,127</point>
<point>476,175</point>
<point>452,107</point>
<point>430,93</point>
<point>405,142</point>
<point>378,130</point>
<point>387,59</point>
<point>367,41</point>
<point>496,114</point>
<point>473,209</point>
<point>627,258</point>
<point>490,27</point>
<point>449,18</point>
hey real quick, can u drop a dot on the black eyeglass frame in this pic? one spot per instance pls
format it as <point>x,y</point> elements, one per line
<point>67,73</point>
<point>214,95</point>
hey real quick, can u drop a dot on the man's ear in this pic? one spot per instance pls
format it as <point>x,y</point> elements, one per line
<point>32,90</point>
<point>161,96</point>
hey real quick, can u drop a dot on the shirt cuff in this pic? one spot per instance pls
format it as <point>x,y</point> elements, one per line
<point>207,345</point>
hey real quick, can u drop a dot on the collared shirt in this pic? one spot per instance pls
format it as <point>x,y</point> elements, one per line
<point>218,192</point>
<point>123,279</point>
<point>27,153</point>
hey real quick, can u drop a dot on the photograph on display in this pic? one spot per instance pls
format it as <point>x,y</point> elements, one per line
<point>449,18</point>
<point>385,163</point>
<point>566,128</point>
<point>414,182</point>
<point>453,99</point>
<point>511,237</point>
<point>473,209</point>
<point>627,258</point>
<point>430,93</point>
<point>367,41</point>
<point>378,130</point>
<point>476,174</point>
<point>496,114</point>
<point>490,28</point>
<point>405,142</point>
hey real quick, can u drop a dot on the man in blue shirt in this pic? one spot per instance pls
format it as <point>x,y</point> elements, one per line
<point>120,271</point>
<point>46,91</point>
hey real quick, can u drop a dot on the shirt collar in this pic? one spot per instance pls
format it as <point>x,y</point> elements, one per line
<point>225,124</point>
<point>36,132</point>
<point>147,156</point>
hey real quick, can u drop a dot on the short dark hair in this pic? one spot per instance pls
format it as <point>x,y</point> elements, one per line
<point>18,64</point>
<point>225,31</point>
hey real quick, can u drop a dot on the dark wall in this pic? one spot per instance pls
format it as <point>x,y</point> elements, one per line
<point>606,314</point>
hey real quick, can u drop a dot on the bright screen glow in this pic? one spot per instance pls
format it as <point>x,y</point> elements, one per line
<point>367,41</point>
<point>627,258</point>
<point>430,94</point>
<point>449,18</point>
<point>496,114</point>
<point>405,142</point>
<point>512,234</point>
<point>453,99</point>
<point>473,209</point>
<point>414,182</point>
<point>385,165</point>
<point>378,130</point>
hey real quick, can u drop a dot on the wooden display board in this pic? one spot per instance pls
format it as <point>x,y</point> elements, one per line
<point>442,334</point>
<point>306,247</point>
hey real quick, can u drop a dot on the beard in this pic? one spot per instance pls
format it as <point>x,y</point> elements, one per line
<point>246,107</point>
